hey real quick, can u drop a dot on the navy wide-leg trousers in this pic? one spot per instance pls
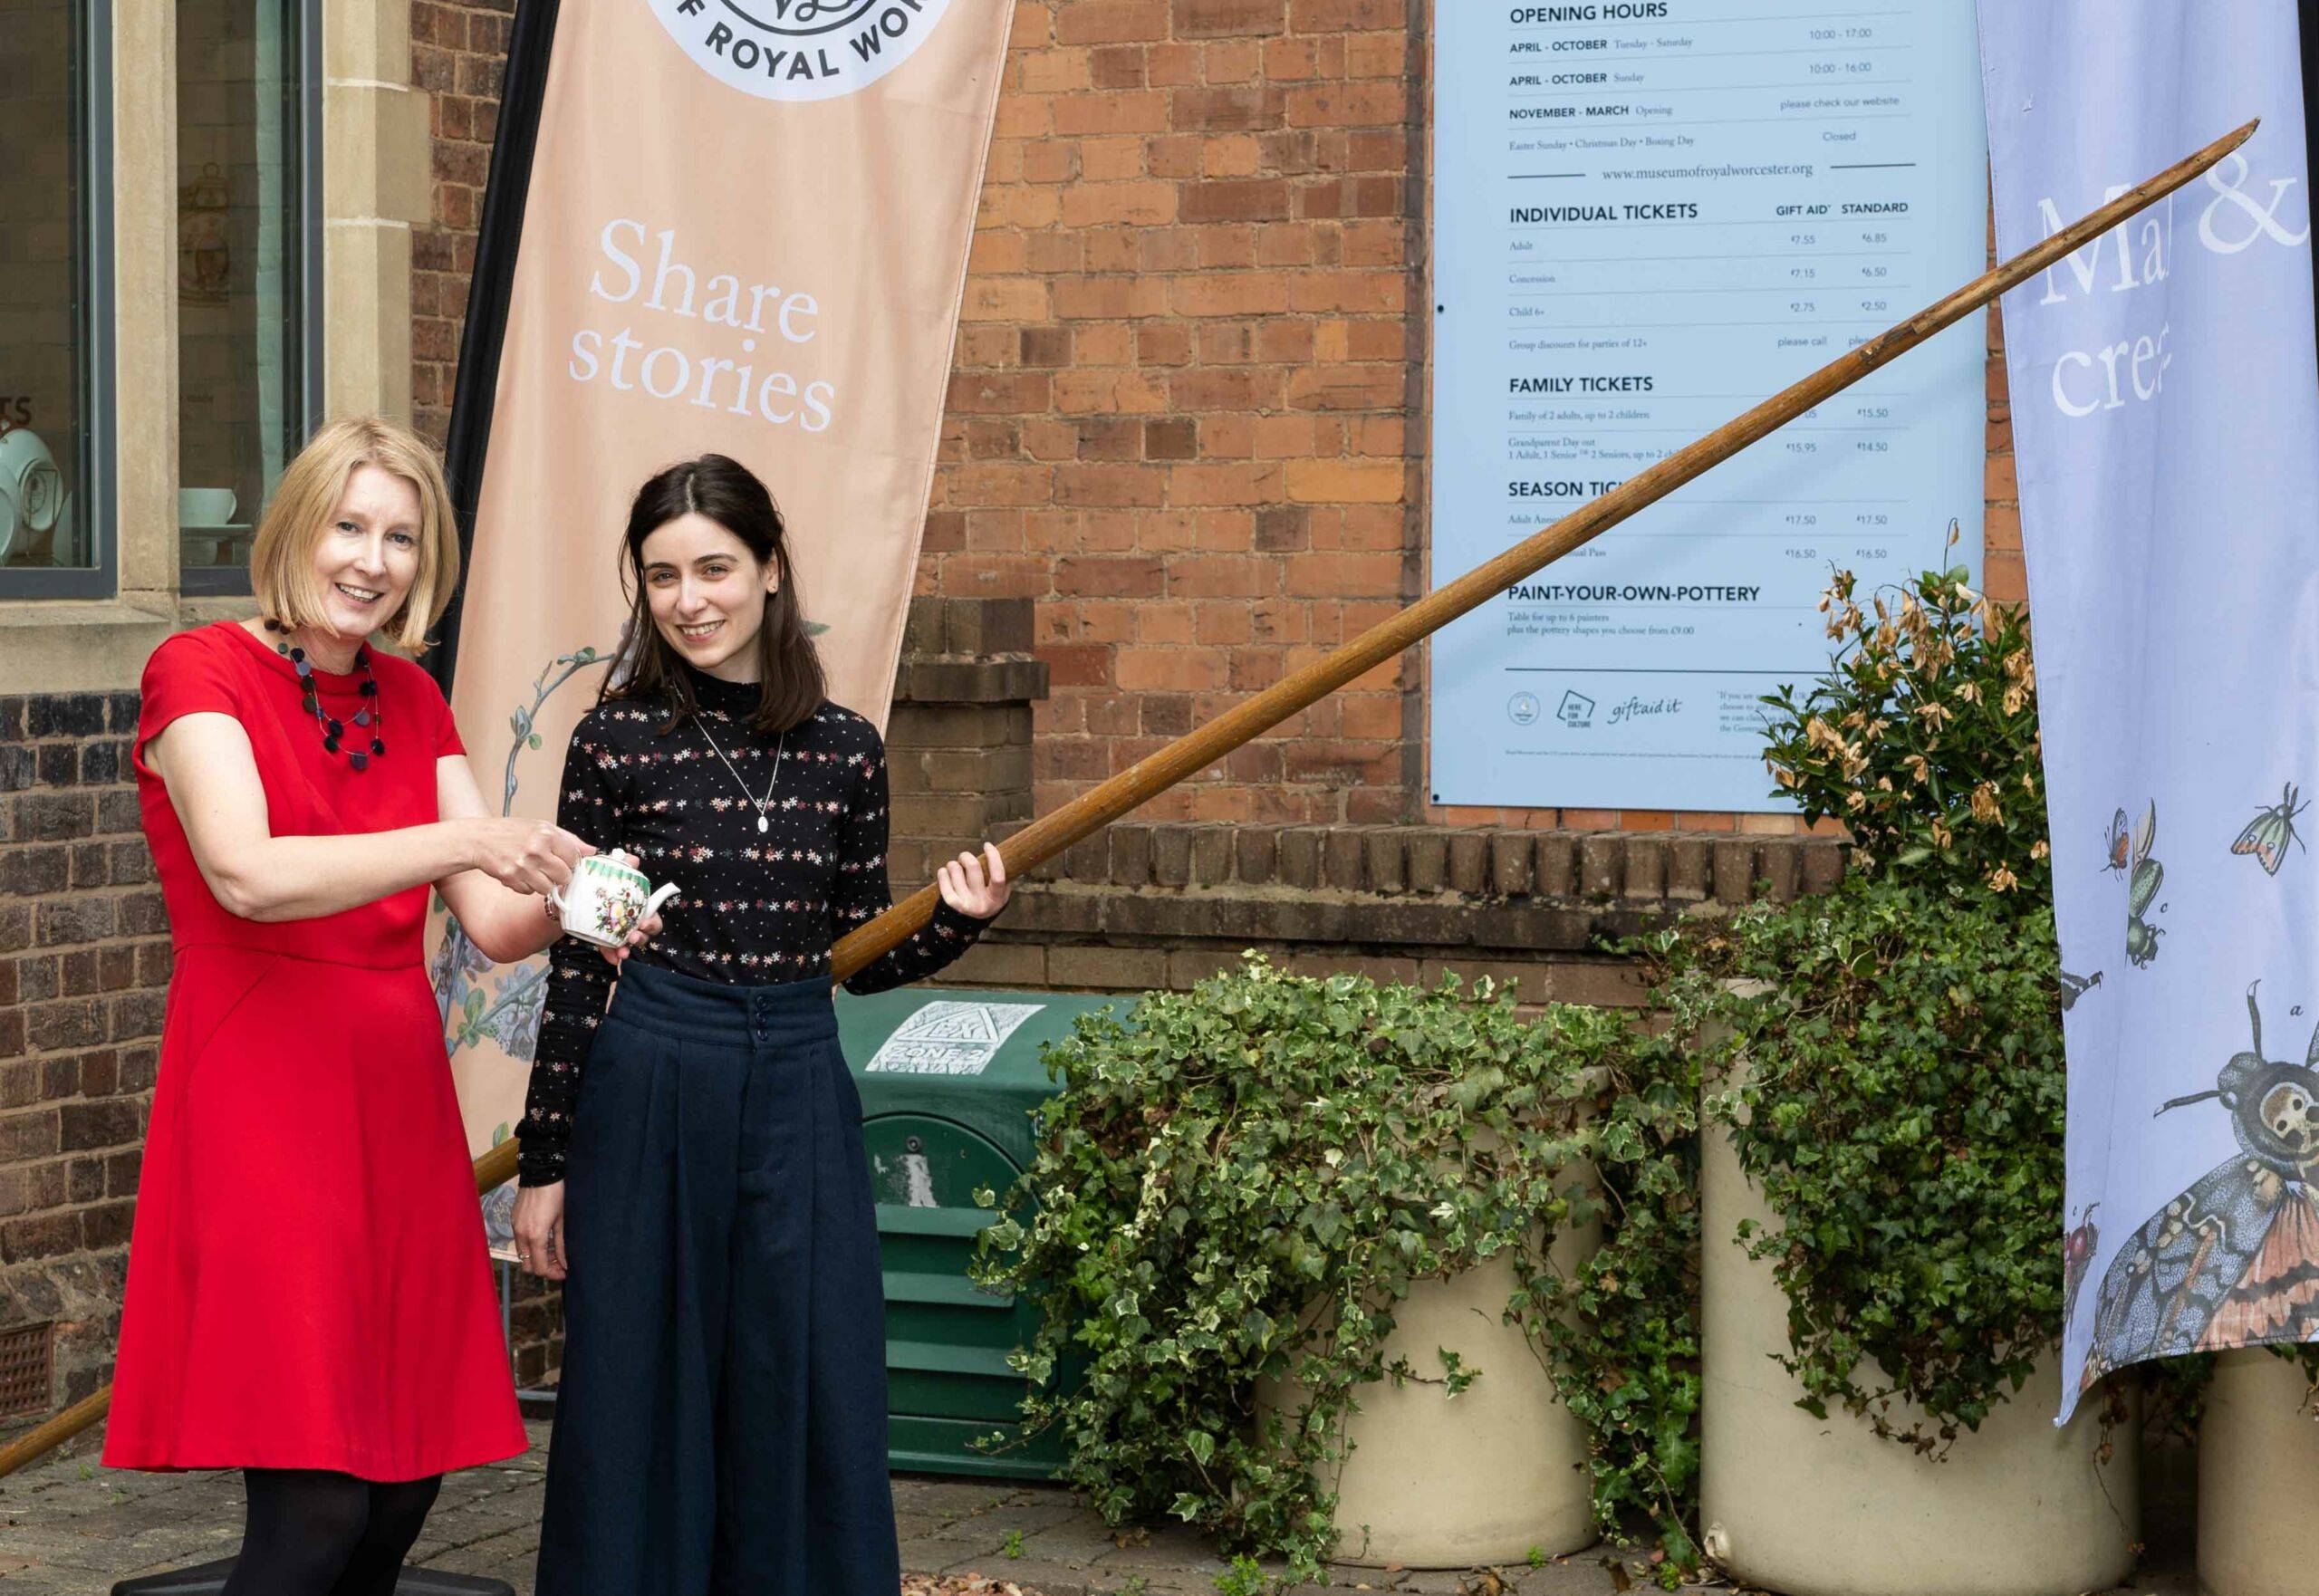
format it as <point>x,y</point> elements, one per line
<point>720,1429</point>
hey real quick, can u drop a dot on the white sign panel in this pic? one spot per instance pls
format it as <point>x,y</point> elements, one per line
<point>1647,216</point>
<point>948,1037</point>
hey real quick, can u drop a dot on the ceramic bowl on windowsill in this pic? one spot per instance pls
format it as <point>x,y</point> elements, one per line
<point>200,509</point>
<point>207,530</point>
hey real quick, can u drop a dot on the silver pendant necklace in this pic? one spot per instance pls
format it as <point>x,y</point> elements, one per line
<point>764,823</point>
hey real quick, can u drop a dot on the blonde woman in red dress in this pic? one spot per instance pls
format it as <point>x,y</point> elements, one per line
<point>309,1297</point>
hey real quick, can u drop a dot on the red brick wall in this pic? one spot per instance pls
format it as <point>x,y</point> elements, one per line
<point>1185,387</point>
<point>84,961</point>
<point>458,54</point>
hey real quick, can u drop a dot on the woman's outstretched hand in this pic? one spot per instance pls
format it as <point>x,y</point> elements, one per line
<point>539,1230</point>
<point>643,931</point>
<point>523,855</point>
<point>977,887</point>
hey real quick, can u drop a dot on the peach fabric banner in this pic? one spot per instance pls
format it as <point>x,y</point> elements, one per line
<point>744,230</point>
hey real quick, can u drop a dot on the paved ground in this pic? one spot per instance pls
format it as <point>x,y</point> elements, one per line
<point>70,1528</point>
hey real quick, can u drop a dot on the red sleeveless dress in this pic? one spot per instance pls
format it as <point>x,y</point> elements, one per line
<point>308,1286</point>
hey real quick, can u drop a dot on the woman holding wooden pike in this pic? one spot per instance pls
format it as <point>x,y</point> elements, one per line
<point>692,1161</point>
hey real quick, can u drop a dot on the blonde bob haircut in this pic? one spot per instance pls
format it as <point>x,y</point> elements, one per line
<point>282,560</point>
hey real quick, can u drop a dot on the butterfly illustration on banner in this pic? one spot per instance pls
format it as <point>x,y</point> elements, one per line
<point>2131,852</point>
<point>2268,833</point>
<point>2234,1260</point>
<point>2074,988</point>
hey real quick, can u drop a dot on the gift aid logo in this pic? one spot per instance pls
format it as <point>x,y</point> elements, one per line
<point>799,49</point>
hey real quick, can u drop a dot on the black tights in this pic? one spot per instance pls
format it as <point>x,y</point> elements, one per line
<point>313,1533</point>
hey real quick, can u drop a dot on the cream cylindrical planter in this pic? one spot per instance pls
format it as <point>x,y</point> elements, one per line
<point>2258,1476</point>
<point>1826,1507</point>
<point>1434,1481</point>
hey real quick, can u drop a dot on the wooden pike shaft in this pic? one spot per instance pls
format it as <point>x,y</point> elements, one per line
<point>56,1431</point>
<point>1043,838</point>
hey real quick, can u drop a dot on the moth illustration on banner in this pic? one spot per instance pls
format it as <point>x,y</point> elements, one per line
<point>2234,1260</point>
<point>2268,833</point>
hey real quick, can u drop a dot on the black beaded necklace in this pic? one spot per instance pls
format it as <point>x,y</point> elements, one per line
<point>371,715</point>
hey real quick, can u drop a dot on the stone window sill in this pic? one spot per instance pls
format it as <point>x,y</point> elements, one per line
<point>94,645</point>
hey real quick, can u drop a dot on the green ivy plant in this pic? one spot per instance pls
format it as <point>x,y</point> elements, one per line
<point>1901,1100</point>
<point>1241,1187</point>
<point>1894,1086</point>
<point>1626,1354</point>
<point>1238,1189</point>
<point>1903,1116</point>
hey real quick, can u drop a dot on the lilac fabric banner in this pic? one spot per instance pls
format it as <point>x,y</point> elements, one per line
<point>2166,423</point>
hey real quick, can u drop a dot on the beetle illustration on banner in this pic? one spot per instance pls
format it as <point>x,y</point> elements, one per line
<point>626,312</point>
<point>2160,541</point>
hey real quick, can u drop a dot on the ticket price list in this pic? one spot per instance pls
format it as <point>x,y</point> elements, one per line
<point>1652,216</point>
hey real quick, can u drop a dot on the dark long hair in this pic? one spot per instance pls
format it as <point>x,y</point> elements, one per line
<point>792,685</point>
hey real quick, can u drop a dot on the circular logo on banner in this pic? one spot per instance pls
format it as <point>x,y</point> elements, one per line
<point>799,49</point>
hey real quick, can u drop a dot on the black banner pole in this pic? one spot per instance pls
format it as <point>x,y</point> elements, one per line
<point>498,239</point>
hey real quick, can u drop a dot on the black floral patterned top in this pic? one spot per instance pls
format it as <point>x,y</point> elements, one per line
<point>751,908</point>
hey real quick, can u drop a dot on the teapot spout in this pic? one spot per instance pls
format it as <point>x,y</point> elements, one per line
<point>660,894</point>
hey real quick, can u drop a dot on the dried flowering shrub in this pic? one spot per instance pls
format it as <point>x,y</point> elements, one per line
<point>1922,738</point>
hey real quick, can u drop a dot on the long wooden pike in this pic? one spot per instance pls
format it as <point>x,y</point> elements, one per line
<point>1043,838</point>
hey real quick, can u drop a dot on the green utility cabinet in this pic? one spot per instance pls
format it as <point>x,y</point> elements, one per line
<point>950,1080</point>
